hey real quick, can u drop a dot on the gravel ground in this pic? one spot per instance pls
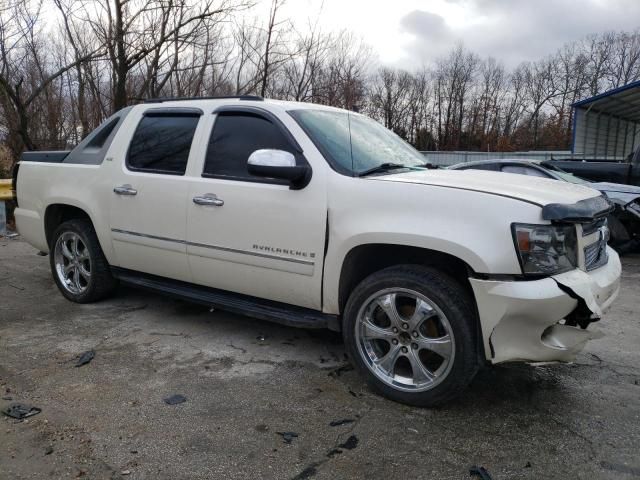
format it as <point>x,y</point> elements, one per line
<point>246,380</point>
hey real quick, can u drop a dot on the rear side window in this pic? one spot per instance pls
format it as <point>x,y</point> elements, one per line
<point>161,144</point>
<point>234,137</point>
<point>101,135</point>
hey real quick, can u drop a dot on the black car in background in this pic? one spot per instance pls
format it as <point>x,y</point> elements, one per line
<point>624,221</point>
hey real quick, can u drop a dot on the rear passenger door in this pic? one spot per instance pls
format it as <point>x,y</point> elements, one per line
<point>259,238</point>
<point>148,203</point>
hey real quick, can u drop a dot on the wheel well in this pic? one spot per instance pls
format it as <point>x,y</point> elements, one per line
<point>59,213</point>
<point>364,260</point>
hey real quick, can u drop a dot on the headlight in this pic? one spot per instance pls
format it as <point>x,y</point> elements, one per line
<point>545,249</point>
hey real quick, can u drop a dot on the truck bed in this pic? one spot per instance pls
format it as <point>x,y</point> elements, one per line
<point>597,171</point>
<point>48,157</point>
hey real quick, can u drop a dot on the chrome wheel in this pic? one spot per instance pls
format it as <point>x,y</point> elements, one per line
<point>72,263</point>
<point>405,339</point>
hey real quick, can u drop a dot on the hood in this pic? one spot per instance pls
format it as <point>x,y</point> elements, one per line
<point>618,193</point>
<point>541,191</point>
<point>616,187</point>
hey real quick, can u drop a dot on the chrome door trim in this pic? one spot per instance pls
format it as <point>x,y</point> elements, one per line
<point>146,235</point>
<point>214,247</point>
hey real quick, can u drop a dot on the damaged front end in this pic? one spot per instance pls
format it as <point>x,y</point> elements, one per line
<point>546,319</point>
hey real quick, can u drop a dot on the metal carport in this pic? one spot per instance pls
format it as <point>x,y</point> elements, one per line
<point>607,126</point>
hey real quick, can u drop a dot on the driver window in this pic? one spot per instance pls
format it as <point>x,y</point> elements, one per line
<point>234,137</point>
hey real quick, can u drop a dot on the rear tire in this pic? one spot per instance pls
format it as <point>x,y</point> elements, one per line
<point>410,330</point>
<point>78,264</point>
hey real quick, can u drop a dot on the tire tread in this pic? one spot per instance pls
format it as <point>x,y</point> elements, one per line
<point>457,301</point>
<point>102,281</point>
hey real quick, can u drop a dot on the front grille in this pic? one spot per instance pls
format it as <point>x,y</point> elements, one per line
<point>589,228</point>
<point>595,255</point>
<point>595,252</point>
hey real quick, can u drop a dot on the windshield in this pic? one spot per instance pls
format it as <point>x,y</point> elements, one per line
<point>354,143</point>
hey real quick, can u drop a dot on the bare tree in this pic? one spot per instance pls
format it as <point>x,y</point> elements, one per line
<point>61,76</point>
<point>454,76</point>
<point>25,73</point>
<point>310,53</point>
<point>341,82</point>
<point>134,31</point>
<point>623,65</point>
<point>539,88</point>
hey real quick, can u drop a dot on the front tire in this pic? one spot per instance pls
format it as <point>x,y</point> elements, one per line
<point>78,264</point>
<point>410,331</point>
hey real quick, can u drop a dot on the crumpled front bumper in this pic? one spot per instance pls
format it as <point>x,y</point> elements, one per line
<point>520,319</point>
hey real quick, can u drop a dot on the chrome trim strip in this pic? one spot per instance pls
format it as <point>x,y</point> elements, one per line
<point>246,252</point>
<point>145,235</point>
<point>214,247</point>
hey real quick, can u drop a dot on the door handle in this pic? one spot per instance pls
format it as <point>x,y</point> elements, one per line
<point>210,199</point>
<point>125,190</point>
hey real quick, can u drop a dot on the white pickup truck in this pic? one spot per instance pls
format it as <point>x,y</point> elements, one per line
<point>321,218</point>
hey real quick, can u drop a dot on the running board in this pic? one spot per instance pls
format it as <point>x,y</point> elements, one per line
<point>282,313</point>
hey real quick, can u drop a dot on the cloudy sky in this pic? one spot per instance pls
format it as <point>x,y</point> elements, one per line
<point>409,33</point>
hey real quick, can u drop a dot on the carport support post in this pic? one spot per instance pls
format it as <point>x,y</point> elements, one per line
<point>626,135</point>
<point>606,142</point>
<point>586,130</point>
<point>615,145</point>
<point>3,219</point>
<point>595,143</point>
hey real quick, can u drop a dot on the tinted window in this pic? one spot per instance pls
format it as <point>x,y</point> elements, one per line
<point>161,144</point>
<point>235,136</point>
<point>524,170</point>
<point>100,136</point>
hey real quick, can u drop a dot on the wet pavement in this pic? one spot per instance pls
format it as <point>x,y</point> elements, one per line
<point>246,384</point>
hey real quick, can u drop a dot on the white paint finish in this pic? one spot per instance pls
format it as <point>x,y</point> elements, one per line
<point>151,212</point>
<point>514,315</point>
<point>158,209</point>
<point>290,222</point>
<point>31,226</point>
<point>256,215</point>
<point>83,186</point>
<point>472,226</point>
<point>530,189</point>
<point>465,214</point>
<point>598,288</point>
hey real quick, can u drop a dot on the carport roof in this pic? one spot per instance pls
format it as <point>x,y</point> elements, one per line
<point>622,102</point>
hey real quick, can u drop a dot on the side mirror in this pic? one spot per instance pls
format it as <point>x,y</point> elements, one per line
<point>280,165</point>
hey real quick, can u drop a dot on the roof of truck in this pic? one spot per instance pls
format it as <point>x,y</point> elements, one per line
<point>252,100</point>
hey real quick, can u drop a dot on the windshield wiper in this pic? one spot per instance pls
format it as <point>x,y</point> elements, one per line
<point>428,166</point>
<point>383,167</point>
